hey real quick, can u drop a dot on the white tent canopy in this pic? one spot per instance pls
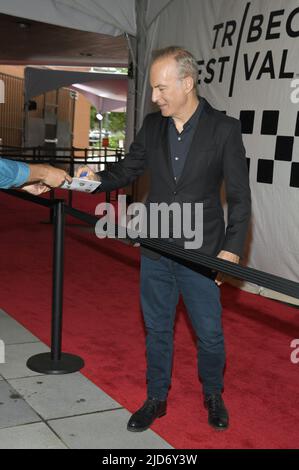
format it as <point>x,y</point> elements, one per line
<point>107,92</point>
<point>113,17</point>
<point>106,17</point>
<point>100,94</point>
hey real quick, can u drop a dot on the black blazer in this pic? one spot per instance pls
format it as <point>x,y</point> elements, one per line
<point>216,154</point>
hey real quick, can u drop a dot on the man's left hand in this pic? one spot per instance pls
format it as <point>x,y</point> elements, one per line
<point>228,256</point>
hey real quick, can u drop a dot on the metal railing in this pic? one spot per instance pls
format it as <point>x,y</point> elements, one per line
<point>44,154</point>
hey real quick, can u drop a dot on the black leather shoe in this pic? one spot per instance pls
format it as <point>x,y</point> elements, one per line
<point>218,415</point>
<point>146,415</point>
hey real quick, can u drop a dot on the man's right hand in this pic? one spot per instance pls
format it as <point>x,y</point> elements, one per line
<point>88,173</point>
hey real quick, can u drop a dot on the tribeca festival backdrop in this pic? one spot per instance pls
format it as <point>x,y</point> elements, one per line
<point>248,57</point>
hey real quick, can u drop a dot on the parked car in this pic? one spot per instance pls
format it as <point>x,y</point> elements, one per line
<point>94,134</point>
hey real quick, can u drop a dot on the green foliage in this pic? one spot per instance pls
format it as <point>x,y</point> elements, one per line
<point>112,122</point>
<point>115,122</point>
<point>93,119</point>
<point>113,142</point>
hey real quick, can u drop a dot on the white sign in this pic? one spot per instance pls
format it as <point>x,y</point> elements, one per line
<point>247,55</point>
<point>81,184</point>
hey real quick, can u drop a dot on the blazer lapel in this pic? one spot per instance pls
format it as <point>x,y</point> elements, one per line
<point>165,148</point>
<point>201,142</point>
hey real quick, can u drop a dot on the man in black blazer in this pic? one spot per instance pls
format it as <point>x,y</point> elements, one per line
<point>189,148</point>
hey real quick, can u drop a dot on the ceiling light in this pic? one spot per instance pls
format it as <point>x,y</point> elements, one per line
<point>23,24</point>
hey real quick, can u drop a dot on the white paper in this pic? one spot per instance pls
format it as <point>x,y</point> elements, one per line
<point>81,184</point>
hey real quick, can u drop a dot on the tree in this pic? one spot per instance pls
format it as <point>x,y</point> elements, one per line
<point>115,122</point>
<point>93,119</point>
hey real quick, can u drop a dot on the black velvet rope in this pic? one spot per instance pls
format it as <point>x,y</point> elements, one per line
<point>30,197</point>
<point>163,247</point>
<point>271,281</point>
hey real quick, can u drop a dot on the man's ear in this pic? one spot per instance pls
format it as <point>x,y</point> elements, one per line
<point>188,84</point>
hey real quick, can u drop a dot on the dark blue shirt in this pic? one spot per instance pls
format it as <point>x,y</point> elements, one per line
<point>179,143</point>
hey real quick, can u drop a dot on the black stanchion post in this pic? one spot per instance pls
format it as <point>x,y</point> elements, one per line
<point>57,293</point>
<point>52,197</point>
<point>57,362</point>
<point>51,208</point>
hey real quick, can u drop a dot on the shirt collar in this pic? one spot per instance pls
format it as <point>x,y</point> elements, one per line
<point>192,121</point>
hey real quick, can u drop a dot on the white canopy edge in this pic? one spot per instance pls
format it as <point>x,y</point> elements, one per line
<point>39,81</point>
<point>112,17</point>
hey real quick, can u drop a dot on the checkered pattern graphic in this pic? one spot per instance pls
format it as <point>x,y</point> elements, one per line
<point>286,148</point>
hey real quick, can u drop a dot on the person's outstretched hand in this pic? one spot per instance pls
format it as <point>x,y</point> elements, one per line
<point>36,189</point>
<point>48,175</point>
<point>55,177</point>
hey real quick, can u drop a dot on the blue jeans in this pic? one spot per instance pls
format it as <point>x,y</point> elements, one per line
<point>162,281</point>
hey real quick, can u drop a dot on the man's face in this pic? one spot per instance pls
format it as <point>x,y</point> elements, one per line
<point>168,89</point>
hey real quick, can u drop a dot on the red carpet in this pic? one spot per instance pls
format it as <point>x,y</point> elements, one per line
<point>102,323</point>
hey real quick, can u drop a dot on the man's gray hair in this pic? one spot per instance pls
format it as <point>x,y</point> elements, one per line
<point>187,64</point>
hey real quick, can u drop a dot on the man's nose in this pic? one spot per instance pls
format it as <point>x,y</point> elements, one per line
<point>155,94</point>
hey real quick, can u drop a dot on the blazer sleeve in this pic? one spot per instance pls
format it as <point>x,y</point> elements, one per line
<point>128,169</point>
<point>236,179</point>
